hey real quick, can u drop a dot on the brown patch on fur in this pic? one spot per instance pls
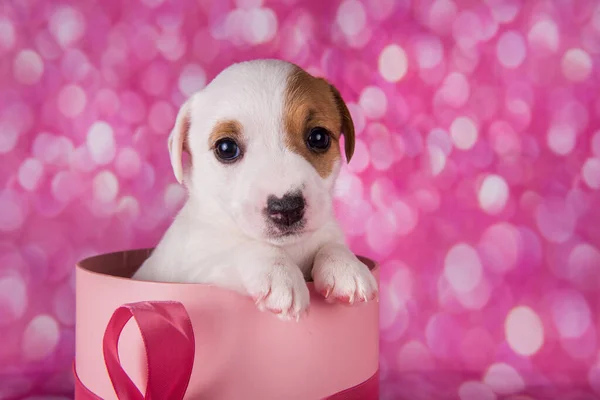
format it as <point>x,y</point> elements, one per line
<point>185,127</point>
<point>178,141</point>
<point>312,102</point>
<point>226,129</point>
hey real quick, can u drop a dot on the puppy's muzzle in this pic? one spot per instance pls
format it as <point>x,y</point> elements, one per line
<point>285,211</point>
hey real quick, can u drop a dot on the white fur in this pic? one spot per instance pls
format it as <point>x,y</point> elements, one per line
<point>219,237</point>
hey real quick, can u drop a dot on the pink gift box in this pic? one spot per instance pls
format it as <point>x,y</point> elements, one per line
<point>154,340</point>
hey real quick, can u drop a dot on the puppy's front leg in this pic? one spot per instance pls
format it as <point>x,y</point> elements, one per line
<point>340,276</point>
<point>274,281</point>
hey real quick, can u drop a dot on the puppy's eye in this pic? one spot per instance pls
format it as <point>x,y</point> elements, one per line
<point>318,140</point>
<point>227,150</point>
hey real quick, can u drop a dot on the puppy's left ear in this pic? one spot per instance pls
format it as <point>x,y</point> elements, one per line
<point>178,140</point>
<point>347,123</point>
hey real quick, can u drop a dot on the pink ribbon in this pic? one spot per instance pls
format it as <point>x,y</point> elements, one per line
<point>169,343</point>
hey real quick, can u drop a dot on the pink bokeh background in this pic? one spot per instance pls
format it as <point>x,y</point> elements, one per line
<point>475,179</point>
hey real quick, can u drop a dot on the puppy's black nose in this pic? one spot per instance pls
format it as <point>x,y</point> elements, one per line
<point>286,211</point>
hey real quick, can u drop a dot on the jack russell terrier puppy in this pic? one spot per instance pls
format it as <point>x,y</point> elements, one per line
<point>263,139</point>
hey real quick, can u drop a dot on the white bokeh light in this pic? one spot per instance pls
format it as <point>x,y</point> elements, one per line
<point>406,217</point>
<point>437,160</point>
<point>393,63</point>
<point>40,338</point>
<point>503,138</point>
<point>441,15</point>
<point>504,11</point>
<point>524,331</point>
<point>67,25</point>
<point>464,133</point>
<point>373,102</point>
<point>467,29</point>
<point>171,45</point>
<point>556,220</point>
<point>66,185</point>
<point>382,232</point>
<point>382,154</point>
<point>128,163</point>
<point>105,186</point>
<point>584,266</point>
<point>101,143</point>
<point>576,65</point>
<point>382,193</point>
<point>361,157</point>
<point>161,117</point>
<point>455,89</point>
<point>501,247</point>
<point>493,194</point>
<point>590,172</point>
<point>351,17</point>
<point>415,356</point>
<point>544,36</point>
<point>30,173</point>
<point>9,137</point>
<point>249,4</point>
<point>232,26</point>
<point>440,139</point>
<point>28,67</point>
<point>477,298</point>
<point>358,117</point>
<point>561,138</point>
<point>129,208</point>
<point>401,284</point>
<point>394,317</point>
<point>504,379</point>
<point>429,52</point>
<point>428,200</point>
<point>52,149</point>
<point>13,299</point>
<point>7,34</point>
<point>71,100</point>
<point>191,79</point>
<point>511,49</point>
<point>389,309</point>
<point>75,65</point>
<point>462,268</point>
<point>261,25</point>
<point>571,313</point>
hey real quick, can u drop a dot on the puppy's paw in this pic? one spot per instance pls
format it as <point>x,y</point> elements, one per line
<point>282,290</point>
<point>343,278</point>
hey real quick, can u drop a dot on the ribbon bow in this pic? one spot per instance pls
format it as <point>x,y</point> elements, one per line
<point>166,329</point>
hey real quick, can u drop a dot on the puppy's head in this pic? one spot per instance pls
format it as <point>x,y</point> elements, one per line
<point>263,138</point>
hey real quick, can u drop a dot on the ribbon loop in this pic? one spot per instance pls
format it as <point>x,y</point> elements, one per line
<point>169,344</point>
<point>168,338</point>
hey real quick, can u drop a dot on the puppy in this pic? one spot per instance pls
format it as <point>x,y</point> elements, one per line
<point>263,139</point>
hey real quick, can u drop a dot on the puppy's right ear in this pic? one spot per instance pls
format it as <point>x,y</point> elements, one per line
<point>178,140</point>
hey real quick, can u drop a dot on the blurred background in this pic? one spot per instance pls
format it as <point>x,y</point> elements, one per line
<point>474,183</point>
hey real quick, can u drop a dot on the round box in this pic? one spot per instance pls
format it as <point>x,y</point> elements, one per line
<point>240,352</point>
